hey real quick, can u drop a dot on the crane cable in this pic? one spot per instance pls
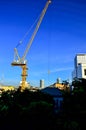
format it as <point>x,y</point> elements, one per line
<point>26,34</point>
<point>48,72</point>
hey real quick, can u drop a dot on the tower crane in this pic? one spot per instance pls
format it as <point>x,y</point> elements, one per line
<point>20,61</point>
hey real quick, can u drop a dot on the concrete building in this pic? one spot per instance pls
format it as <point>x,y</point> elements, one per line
<point>6,88</point>
<point>41,83</point>
<point>79,66</point>
<point>27,84</point>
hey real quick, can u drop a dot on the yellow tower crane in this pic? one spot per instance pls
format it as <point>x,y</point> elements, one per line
<point>20,61</point>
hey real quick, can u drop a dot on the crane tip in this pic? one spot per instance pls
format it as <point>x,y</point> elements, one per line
<point>49,1</point>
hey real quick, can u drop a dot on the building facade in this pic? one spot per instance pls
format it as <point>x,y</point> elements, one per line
<point>42,83</point>
<point>79,66</point>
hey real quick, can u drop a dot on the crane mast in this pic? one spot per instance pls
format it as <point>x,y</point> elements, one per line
<point>21,61</point>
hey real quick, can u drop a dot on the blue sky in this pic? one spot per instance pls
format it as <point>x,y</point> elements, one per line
<point>62,34</point>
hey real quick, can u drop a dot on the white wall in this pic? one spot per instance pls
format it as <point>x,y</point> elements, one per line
<point>80,66</point>
<point>83,68</point>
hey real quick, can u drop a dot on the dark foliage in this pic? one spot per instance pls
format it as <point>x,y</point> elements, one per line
<point>26,110</point>
<point>35,110</point>
<point>75,106</point>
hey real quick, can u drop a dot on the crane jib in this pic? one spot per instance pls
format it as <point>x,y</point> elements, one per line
<point>36,29</point>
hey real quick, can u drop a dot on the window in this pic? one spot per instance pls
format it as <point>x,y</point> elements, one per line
<point>84,71</point>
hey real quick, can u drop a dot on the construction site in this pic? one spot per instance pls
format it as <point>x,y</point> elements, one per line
<point>52,30</point>
<point>21,61</point>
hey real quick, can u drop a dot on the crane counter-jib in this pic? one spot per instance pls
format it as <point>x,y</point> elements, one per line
<point>17,64</point>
